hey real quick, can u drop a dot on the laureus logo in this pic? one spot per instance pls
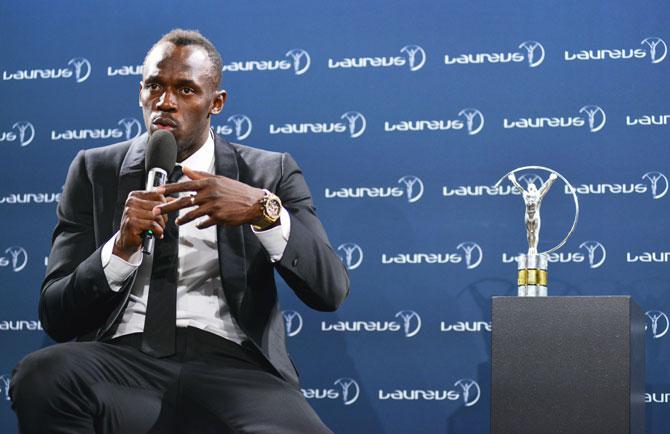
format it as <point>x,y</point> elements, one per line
<point>658,182</point>
<point>471,391</point>
<point>350,389</point>
<point>301,60</point>
<point>4,386</point>
<point>416,56</point>
<point>15,257</point>
<point>292,321</point>
<point>659,323</point>
<point>535,52</point>
<point>657,48</point>
<point>131,127</point>
<point>26,132</point>
<point>596,117</point>
<point>352,255</point>
<point>474,120</point>
<point>413,187</point>
<point>596,253</point>
<point>242,125</point>
<point>356,123</point>
<point>82,68</point>
<point>411,322</point>
<point>473,254</point>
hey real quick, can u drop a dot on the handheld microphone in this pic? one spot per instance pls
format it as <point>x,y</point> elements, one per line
<point>160,159</point>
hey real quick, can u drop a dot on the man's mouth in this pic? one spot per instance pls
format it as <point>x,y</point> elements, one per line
<point>164,123</point>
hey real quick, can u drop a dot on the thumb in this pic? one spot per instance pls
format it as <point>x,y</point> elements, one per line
<point>195,174</point>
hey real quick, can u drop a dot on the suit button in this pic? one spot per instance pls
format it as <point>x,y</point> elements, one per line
<point>295,262</point>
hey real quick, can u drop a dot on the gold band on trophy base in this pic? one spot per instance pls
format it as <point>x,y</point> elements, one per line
<point>532,277</point>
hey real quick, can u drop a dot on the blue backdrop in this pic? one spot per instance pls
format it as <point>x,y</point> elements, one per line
<point>401,114</point>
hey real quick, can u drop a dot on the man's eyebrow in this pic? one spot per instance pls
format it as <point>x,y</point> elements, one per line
<point>187,81</point>
<point>179,81</point>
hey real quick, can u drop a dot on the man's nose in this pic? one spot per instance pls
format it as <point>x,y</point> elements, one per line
<point>167,102</point>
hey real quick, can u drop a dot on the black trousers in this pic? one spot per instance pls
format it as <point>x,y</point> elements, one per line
<point>210,386</point>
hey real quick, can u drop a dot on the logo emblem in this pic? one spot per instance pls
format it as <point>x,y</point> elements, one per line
<point>413,187</point>
<point>353,255</point>
<point>130,126</point>
<point>293,322</point>
<point>411,322</point>
<point>356,122</point>
<point>659,323</point>
<point>82,68</point>
<point>26,132</point>
<point>242,125</point>
<point>301,60</point>
<point>658,190</point>
<point>415,62</point>
<point>530,178</point>
<point>349,393</point>
<point>468,247</point>
<point>595,260</point>
<point>4,386</point>
<point>472,115</point>
<point>534,58</point>
<point>17,258</point>
<point>470,396</point>
<point>657,48</point>
<point>596,117</point>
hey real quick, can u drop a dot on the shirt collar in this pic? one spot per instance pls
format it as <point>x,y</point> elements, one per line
<point>203,158</point>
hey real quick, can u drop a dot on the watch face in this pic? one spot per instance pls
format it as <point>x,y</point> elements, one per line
<point>273,207</point>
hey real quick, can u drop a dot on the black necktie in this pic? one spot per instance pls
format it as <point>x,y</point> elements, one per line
<point>158,338</point>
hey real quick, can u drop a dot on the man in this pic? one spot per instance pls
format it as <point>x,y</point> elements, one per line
<point>188,339</point>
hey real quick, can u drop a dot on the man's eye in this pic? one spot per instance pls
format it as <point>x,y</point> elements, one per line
<point>153,86</point>
<point>187,90</point>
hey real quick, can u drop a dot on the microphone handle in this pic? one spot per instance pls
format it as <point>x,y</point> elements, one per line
<point>155,178</point>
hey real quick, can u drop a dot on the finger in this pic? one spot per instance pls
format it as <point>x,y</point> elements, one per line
<point>196,174</point>
<point>205,224</point>
<point>192,215</point>
<point>147,195</point>
<point>142,214</point>
<point>140,226</point>
<point>164,217</point>
<point>176,204</point>
<point>179,187</point>
<point>145,202</point>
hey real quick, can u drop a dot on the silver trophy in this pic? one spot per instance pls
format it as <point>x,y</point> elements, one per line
<point>532,266</point>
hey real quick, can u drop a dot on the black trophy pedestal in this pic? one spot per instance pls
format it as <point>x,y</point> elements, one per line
<point>567,365</point>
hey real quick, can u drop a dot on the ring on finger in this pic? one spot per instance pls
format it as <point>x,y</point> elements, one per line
<point>192,198</point>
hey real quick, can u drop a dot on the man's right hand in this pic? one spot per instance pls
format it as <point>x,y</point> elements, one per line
<point>138,218</point>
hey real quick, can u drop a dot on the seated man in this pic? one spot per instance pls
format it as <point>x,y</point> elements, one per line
<point>189,338</point>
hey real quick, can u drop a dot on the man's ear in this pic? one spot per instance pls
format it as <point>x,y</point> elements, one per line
<point>139,95</point>
<point>219,101</point>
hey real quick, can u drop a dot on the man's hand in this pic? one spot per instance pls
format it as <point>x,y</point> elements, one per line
<point>222,200</point>
<point>138,218</point>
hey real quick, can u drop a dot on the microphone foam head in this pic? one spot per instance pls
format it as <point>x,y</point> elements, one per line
<point>161,151</point>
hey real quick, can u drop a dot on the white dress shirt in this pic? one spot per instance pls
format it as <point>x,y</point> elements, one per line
<point>200,299</point>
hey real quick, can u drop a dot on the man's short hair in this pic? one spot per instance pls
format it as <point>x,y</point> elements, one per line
<point>183,37</point>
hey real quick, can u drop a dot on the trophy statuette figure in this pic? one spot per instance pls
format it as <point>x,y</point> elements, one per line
<point>532,266</point>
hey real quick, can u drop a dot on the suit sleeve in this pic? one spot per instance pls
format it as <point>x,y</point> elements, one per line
<point>75,297</point>
<point>309,264</point>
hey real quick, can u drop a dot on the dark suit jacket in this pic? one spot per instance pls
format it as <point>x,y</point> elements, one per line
<point>76,301</point>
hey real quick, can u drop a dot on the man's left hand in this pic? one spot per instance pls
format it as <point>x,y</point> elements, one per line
<point>223,200</point>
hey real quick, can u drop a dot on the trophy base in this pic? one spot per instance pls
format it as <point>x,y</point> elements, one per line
<point>532,291</point>
<point>532,278</point>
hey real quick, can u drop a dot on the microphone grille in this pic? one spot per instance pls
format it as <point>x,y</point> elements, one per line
<point>161,151</point>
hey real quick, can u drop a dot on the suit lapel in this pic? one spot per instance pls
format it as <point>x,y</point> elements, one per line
<point>131,176</point>
<point>232,261</point>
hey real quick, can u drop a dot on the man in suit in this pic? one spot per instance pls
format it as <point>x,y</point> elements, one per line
<point>190,338</point>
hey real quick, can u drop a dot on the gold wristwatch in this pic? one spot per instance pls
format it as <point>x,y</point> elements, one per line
<point>271,208</point>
